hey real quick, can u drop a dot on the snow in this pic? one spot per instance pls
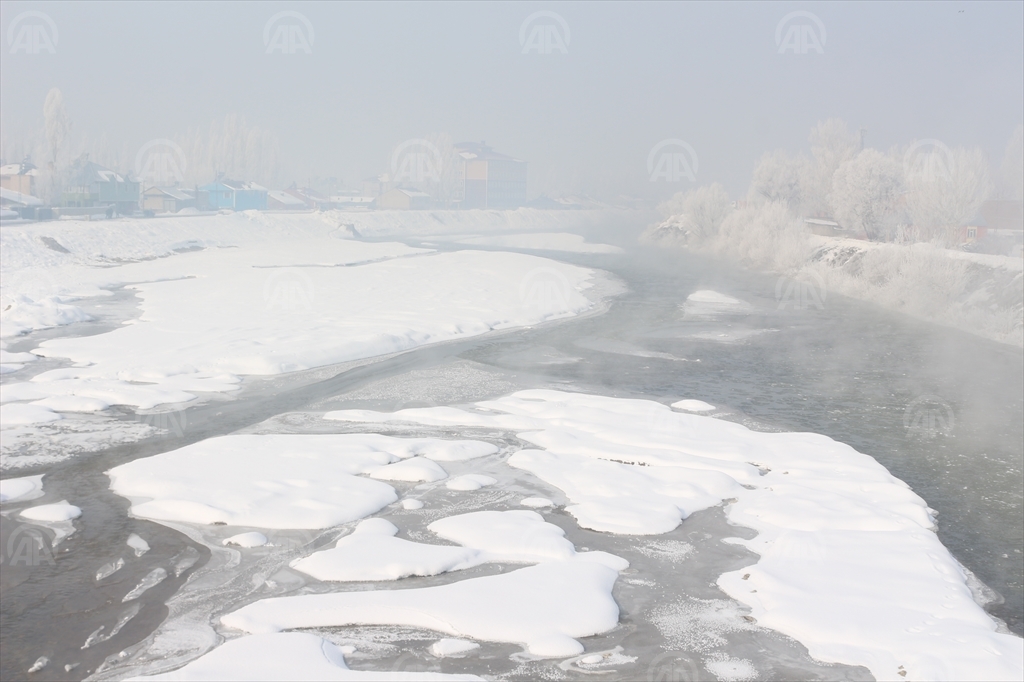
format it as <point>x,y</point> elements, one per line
<point>536,502</point>
<point>250,539</point>
<point>693,405</point>
<point>139,545</point>
<point>21,489</point>
<point>517,535</point>
<point>285,657</point>
<point>539,241</point>
<point>544,607</point>
<point>51,513</point>
<point>221,297</point>
<point>414,469</point>
<point>372,552</point>
<point>452,647</point>
<point>712,304</point>
<point>17,415</point>
<point>280,481</point>
<point>470,482</point>
<point>24,314</point>
<point>412,504</point>
<point>849,563</point>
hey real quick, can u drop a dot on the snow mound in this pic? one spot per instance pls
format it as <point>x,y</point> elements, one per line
<point>544,607</point>
<point>693,406</point>
<point>52,513</point>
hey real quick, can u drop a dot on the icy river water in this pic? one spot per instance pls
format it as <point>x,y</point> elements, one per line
<point>942,410</point>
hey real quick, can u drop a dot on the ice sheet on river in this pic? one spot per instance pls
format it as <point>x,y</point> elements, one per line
<point>285,657</point>
<point>850,564</point>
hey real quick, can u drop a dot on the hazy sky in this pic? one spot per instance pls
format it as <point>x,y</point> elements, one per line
<point>586,119</point>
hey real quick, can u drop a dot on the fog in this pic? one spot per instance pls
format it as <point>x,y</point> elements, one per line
<point>512,341</point>
<point>584,112</point>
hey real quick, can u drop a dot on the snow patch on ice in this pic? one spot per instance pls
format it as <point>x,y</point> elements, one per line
<point>21,489</point>
<point>691,405</point>
<point>51,513</point>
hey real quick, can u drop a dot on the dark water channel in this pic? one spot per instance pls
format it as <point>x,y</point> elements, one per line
<point>941,409</point>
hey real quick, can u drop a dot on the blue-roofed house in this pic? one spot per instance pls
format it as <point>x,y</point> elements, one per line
<point>234,195</point>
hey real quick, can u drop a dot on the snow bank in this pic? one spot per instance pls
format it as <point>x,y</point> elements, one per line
<point>544,607</point>
<point>282,658</point>
<point>849,561</point>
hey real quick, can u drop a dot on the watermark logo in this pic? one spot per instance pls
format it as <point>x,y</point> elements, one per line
<point>173,422</point>
<point>544,37</point>
<point>288,291</point>
<point>545,290</point>
<point>806,291</point>
<point>673,666</point>
<point>929,160</point>
<point>32,32</point>
<point>27,546</point>
<point>416,160</point>
<point>288,32</point>
<point>928,416</point>
<point>160,162</point>
<point>800,32</point>
<point>672,160</point>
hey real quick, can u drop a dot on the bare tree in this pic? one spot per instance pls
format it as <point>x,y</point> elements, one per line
<point>446,186</point>
<point>866,191</point>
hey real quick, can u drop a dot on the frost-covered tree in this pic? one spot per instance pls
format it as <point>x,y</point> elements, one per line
<point>768,236</point>
<point>57,123</point>
<point>831,146</point>
<point>778,177</point>
<point>940,203</point>
<point>231,148</point>
<point>866,191</point>
<point>446,187</point>
<point>1011,173</point>
<point>693,217</point>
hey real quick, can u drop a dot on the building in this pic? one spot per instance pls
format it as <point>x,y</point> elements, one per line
<point>233,194</point>
<point>310,197</point>
<point>490,179</point>
<point>167,199</point>
<point>19,177</point>
<point>403,199</point>
<point>281,200</point>
<point>92,185</point>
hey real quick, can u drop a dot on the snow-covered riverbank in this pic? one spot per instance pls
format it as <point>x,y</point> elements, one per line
<point>221,297</point>
<point>977,293</point>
